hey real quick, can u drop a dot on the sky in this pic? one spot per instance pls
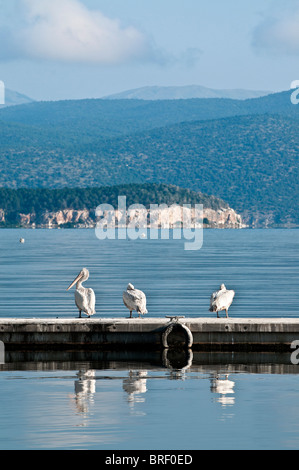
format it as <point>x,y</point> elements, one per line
<point>75,49</point>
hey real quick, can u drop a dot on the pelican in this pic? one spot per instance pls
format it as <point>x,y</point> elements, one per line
<point>135,300</point>
<point>84,298</point>
<point>22,240</point>
<point>221,300</point>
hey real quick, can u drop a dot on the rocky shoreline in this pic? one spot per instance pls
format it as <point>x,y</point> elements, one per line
<point>169,217</point>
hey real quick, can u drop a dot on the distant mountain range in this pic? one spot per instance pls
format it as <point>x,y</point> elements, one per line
<point>97,118</point>
<point>153,93</point>
<point>184,92</point>
<point>244,152</point>
<point>13,98</point>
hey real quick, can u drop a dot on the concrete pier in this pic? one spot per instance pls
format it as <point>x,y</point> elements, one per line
<point>201,334</point>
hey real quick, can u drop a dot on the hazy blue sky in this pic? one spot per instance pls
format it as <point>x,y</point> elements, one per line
<point>56,49</point>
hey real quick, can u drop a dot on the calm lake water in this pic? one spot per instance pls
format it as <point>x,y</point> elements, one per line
<point>123,401</point>
<point>262,266</point>
<point>141,405</point>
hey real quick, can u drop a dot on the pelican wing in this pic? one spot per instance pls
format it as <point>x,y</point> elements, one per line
<point>85,300</point>
<point>213,301</point>
<point>224,300</point>
<point>135,300</point>
<point>213,297</point>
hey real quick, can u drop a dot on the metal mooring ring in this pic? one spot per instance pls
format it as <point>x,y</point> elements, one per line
<point>169,329</point>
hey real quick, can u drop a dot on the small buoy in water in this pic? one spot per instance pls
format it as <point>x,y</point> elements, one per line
<point>22,240</point>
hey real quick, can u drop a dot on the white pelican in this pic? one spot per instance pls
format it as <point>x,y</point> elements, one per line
<point>221,300</point>
<point>22,240</point>
<point>135,300</point>
<point>84,298</point>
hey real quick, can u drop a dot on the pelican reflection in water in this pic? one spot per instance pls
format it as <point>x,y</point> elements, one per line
<point>223,387</point>
<point>221,300</point>
<point>135,386</point>
<point>85,389</point>
<point>84,298</point>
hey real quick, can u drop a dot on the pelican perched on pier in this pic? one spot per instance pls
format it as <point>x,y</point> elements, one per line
<point>221,300</point>
<point>85,298</point>
<point>135,299</point>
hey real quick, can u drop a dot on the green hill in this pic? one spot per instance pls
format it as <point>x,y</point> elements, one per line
<point>245,152</point>
<point>39,201</point>
<point>112,118</point>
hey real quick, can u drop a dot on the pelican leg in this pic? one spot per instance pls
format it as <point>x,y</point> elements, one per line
<point>80,316</point>
<point>218,315</point>
<point>131,314</point>
<point>226,313</point>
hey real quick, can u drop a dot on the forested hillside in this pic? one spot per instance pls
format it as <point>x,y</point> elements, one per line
<point>38,201</point>
<point>110,118</point>
<point>249,160</point>
<point>34,200</point>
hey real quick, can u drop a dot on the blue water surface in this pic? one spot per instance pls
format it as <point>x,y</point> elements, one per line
<point>262,266</point>
<point>229,403</point>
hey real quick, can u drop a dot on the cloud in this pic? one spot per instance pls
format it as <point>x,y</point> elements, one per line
<point>67,31</point>
<point>278,33</point>
<point>191,57</point>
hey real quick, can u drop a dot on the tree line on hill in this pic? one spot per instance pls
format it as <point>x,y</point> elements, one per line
<point>37,201</point>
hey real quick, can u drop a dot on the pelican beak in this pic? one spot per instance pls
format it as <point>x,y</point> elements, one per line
<point>75,281</point>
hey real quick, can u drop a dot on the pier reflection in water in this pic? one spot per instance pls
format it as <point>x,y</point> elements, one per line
<point>188,400</point>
